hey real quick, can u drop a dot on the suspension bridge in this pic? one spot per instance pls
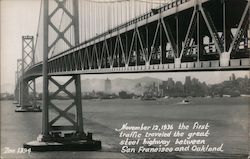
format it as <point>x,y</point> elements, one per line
<point>76,37</point>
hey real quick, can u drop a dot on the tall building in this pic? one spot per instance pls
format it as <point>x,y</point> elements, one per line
<point>167,87</point>
<point>187,85</point>
<point>107,86</point>
<point>170,84</point>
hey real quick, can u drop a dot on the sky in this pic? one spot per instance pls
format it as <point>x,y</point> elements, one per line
<point>20,17</point>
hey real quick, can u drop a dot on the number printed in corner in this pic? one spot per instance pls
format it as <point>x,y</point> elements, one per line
<point>24,150</point>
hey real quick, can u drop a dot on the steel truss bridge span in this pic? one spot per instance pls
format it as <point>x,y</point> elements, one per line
<point>184,35</point>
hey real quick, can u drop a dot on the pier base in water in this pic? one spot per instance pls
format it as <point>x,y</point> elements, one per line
<point>87,144</point>
<point>15,102</point>
<point>28,109</point>
<point>82,145</point>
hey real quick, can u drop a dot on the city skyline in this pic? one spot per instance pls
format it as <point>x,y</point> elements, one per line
<point>180,77</point>
<point>193,87</point>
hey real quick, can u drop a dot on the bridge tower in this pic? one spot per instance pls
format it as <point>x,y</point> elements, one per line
<point>17,82</point>
<point>16,90</point>
<point>27,93</point>
<point>56,134</point>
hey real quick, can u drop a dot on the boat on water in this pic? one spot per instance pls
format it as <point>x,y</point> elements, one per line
<point>147,97</point>
<point>184,101</point>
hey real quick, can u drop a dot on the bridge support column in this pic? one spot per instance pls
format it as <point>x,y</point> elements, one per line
<point>27,99</point>
<point>63,121</point>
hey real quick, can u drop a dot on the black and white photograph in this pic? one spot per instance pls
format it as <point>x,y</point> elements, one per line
<point>125,79</point>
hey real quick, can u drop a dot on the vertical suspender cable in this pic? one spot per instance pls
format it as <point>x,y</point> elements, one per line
<point>100,25</point>
<point>85,20</point>
<point>147,8</point>
<point>105,17</point>
<point>126,11</point>
<point>89,21</point>
<point>112,15</point>
<point>140,9</point>
<point>99,18</point>
<point>108,16</point>
<point>117,13</point>
<point>136,8</point>
<point>94,21</point>
<point>37,33</point>
<point>80,20</point>
<point>129,11</point>
<point>89,28</point>
<point>121,12</point>
<point>67,6</point>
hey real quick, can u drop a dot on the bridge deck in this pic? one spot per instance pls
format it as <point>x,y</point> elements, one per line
<point>235,64</point>
<point>149,53</point>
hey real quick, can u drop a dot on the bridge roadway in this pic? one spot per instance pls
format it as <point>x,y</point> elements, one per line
<point>235,64</point>
<point>96,57</point>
